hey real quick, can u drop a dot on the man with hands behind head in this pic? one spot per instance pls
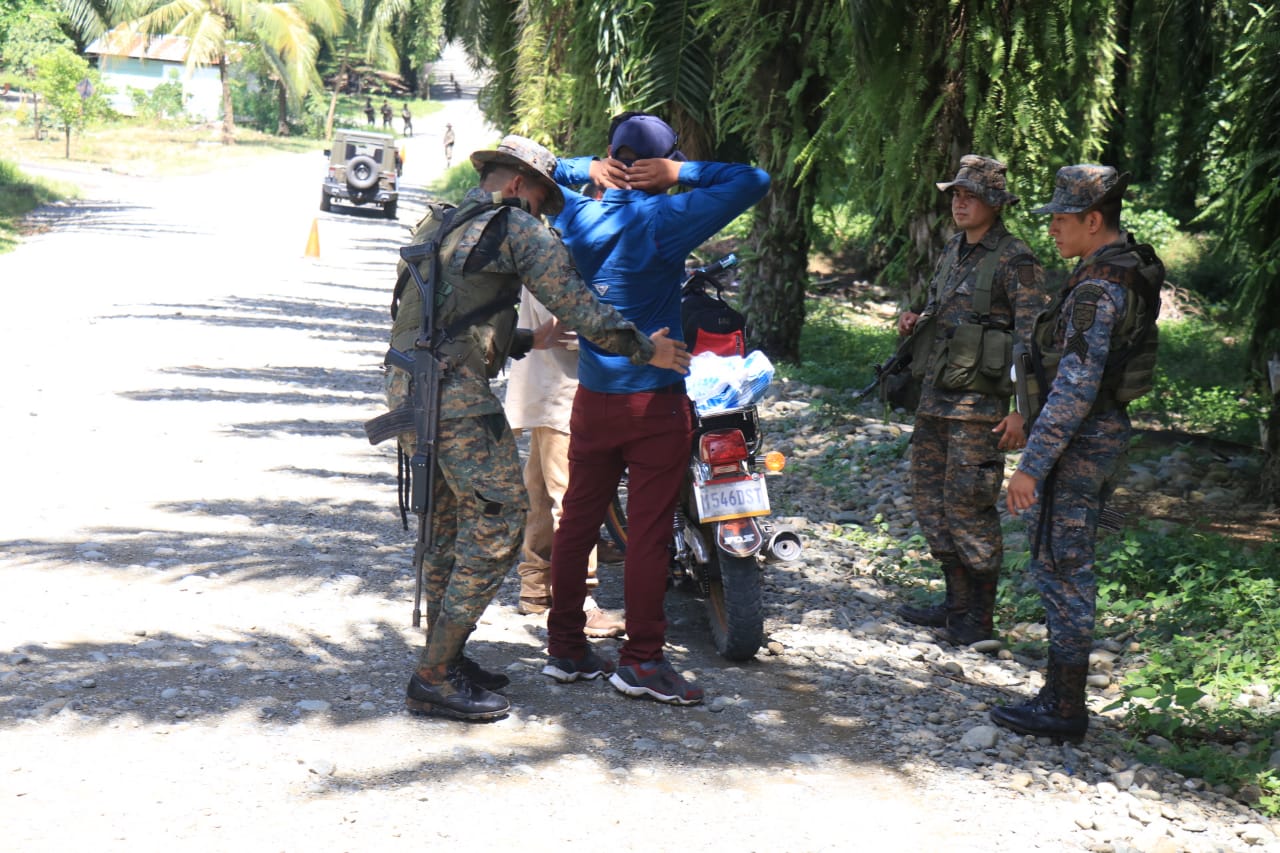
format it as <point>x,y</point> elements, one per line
<point>630,246</point>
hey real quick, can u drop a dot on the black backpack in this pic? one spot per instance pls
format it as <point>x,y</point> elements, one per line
<point>710,324</point>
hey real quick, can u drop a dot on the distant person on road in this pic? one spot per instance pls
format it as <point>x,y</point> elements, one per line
<point>386,115</point>
<point>368,110</point>
<point>493,249</point>
<point>407,118</point>
<point>632,244</point>
<point>448,145</point>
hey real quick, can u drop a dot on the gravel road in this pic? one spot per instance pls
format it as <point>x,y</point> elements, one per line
<point>205,637</point>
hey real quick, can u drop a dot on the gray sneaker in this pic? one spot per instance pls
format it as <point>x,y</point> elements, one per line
<point>589,666</point>
<point>658,680</point>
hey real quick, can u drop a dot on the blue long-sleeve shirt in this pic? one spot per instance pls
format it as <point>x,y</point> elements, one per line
<point>630,247</point>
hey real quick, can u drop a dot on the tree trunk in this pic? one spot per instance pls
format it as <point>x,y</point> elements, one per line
<point>1271,468</point>
<point>282,105</point>
<point>228,116</point>
<point>1113,150</point>
<point>333,108</point>
<point>773,294</point>
<point>66,133</point>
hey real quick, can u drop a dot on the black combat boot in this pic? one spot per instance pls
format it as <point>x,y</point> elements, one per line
<point>1058,712</point>
<point>480,676</point>
<point>451,694</point>
<point>978,622</point>
<point>955,603</point>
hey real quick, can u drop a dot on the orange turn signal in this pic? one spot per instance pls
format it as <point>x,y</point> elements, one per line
<point>774,461</point>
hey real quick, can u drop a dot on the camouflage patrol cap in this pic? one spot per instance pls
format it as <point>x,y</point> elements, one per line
<point>1083,187</point>
<point>984,177</point>
<point>530,159</point>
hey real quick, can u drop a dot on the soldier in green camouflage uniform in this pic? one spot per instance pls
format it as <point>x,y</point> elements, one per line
<point>480,502</point>
<point>963,423</point>
<point>1078,439</point>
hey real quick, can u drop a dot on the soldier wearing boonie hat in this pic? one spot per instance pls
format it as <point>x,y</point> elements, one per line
<point>528,158</point>
<point>984,295</point>
<point>488,247</point>
<point>984,177</point>
<point>1094,349</point>
<point>1077,189</point>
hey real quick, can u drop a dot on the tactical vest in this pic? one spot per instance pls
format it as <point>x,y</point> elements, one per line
<point>979,352</point>
<point>1131,363</point>
<point>475,312</point>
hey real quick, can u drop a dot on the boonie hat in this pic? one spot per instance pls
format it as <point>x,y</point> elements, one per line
<point>984,177</point>
<point>530,159</point>
<point>648,136</point>
<point>1083,187</point>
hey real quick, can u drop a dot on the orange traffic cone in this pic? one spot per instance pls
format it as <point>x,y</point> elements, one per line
<point>313,241</point>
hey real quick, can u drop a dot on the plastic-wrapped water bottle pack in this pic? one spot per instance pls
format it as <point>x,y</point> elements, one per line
<point>717,383</point>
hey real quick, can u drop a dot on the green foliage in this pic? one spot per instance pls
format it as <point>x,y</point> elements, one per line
<point>164,102</point>
<point>58,73</point>
<point>19,195</point>
<point>1250,208</point>
<point>453,184</point>
<point>255,106</point>
<point>28,31</point>
<point>841,228</point>
<point>1201,383</point>
<point>843,349</point>
<point>1202,611</point>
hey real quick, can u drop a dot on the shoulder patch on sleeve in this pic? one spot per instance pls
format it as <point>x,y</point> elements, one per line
<point>1027,274</point>
<point>1084,306</point>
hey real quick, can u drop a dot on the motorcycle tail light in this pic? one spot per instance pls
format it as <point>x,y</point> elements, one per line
<point>722,447</point>
<point>774,461</point>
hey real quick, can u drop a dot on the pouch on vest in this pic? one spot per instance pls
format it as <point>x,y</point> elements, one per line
<point>976,358</point>
<point>978,354</point>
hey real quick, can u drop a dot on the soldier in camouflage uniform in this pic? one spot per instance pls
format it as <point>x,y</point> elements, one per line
<point>963,423</point>
<point>1078,438</point>
<point>480,502</point>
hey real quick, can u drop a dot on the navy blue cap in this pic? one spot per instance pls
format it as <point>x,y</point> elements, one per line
<point>648,136</point>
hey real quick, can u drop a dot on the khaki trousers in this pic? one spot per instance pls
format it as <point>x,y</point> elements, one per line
<point>546,477</point>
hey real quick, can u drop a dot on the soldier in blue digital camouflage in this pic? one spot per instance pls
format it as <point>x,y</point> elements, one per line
<point>984,297</point>
<point>1094,351</point>
<point>480,502</point>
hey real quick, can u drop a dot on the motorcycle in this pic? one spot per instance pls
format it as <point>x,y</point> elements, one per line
<point>723,535</point>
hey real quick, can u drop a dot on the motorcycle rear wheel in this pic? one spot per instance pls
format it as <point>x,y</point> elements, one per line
<point>615,518</point>
<point>735,606</point>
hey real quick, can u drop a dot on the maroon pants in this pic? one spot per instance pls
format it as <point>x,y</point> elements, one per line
<point>647,434</point>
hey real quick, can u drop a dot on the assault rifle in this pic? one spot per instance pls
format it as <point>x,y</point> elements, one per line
<point>902,390</point>
<point>423,416</point>
<point>896,363</point>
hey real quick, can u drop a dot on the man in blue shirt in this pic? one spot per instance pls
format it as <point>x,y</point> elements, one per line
<point>630,246</point>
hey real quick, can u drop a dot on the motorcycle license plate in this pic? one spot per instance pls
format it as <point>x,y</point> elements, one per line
<point>719,500</point>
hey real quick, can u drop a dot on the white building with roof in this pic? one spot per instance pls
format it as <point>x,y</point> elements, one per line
<point>126,59</point>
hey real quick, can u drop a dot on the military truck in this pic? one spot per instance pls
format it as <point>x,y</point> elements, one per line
<point>364,168</point>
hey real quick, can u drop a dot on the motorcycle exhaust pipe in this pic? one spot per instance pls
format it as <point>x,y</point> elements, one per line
<point>784,546</point>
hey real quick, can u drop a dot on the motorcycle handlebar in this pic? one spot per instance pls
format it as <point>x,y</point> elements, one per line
<point>727,262</point>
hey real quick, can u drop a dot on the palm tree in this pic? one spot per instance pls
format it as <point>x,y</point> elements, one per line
<point>370,36</point>
<point>1250,205</point>
<point>217,30</point>
<point>779,61</point>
